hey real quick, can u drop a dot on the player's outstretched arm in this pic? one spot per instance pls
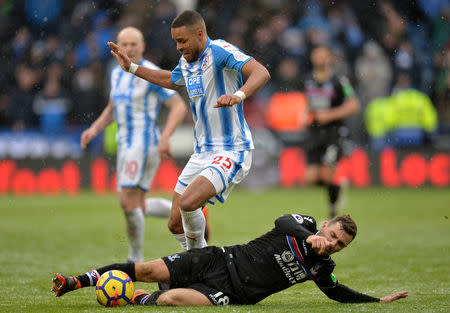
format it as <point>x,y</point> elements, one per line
<point>158,77</point>
<point>106,118</point>
<point>394,296</point>
<point>341,293</point>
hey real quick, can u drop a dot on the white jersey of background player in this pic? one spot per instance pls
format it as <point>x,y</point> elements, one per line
<point>211,72</point>
<point>135,103</point>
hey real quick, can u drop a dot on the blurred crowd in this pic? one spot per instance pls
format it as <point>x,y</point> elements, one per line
<point>55,62</point>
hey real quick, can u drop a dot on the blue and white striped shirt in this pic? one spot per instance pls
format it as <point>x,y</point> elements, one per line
<point>137,103</point>
<point>216,72</point>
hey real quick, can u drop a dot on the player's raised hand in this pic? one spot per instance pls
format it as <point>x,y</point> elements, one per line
<point>227,101</point>
<point>320,244</point>
<point>123,60</point>
<point>86,137</point>
<point>394,296</point>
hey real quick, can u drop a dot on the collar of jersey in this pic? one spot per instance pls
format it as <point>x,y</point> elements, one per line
<point>208,43</point>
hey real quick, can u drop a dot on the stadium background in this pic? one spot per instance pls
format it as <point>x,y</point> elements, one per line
<point>54,82</point>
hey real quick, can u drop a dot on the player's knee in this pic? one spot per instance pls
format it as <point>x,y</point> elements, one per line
<point>169,298</point>
<point>126,204</point>
<point>189,203</point>
<point>165,299</point>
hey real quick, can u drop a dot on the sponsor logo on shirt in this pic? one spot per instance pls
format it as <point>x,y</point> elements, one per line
<point>298,218</point>
<point>290,267</point>
<point>195,86</point>
<point>239,56</point>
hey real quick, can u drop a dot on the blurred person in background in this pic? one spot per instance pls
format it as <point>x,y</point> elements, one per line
<point>135,103</point>
<point>52,103</point>
<point>330,100</point>
<point>21,102</point>
<point>211,70</point>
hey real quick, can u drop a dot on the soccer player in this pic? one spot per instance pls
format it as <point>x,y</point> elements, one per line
<point>330,100</point>
<point>292,252</point>
<point>211,70</point>
<point>135,103</point>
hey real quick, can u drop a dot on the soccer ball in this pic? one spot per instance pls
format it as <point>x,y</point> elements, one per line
<point>114,288</point>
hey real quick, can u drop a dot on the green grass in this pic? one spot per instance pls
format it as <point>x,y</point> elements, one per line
<point>402,244</point>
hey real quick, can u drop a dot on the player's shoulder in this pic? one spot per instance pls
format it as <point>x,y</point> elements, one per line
<point>304,219</point>
<point>222,43</point>
<point>341,79</point>
<point>222,49</point>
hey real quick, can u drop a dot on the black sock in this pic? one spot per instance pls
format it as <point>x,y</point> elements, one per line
<point>150,299</point>
<point>333,193</point>
<point>128,268</point>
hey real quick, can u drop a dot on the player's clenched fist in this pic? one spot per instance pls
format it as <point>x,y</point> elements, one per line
<point>227,101</point>
<point>320,244</point>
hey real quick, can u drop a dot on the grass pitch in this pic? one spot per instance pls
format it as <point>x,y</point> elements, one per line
<point>403,243</point>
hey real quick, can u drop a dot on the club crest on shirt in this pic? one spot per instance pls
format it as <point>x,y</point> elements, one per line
<point>205,63</point>
<point>287,256</point>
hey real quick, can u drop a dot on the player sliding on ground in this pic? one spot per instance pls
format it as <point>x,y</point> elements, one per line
<point>293,252</point>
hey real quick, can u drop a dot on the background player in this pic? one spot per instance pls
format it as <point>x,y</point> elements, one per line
<point>293,252</point>
<point>211,70</point>
<point>135,103</point>
<point>330,100</point>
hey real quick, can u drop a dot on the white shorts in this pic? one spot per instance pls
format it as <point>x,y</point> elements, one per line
<point>224,169</point>
<point>136,166</point>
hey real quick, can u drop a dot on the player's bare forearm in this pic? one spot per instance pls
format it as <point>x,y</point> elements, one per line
<point>158,77</point>
<point>100,124</point>
<point>106,118</point>
<point>349,107</point>
<point>257,75</point>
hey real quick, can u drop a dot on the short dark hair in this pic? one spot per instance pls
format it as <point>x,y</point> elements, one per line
<point>347,224</point>
<point>187,18</point>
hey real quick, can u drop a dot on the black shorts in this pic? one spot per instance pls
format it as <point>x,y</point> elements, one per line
<point>204,270</point>
<point>324,147</point>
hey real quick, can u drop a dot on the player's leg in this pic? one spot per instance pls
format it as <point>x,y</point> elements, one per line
<point>158,207</point>
<point>194,215</point>
<point>330,160</point>
<point>333,190</point>
<point>172,297</point>
<point>199,191</point>
<point>312,174</point>
<point>151,271</point>
<point>132,201</point>
<point>175,224</point>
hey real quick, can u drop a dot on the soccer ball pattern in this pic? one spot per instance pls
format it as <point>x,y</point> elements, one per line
<point>114,288</point>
